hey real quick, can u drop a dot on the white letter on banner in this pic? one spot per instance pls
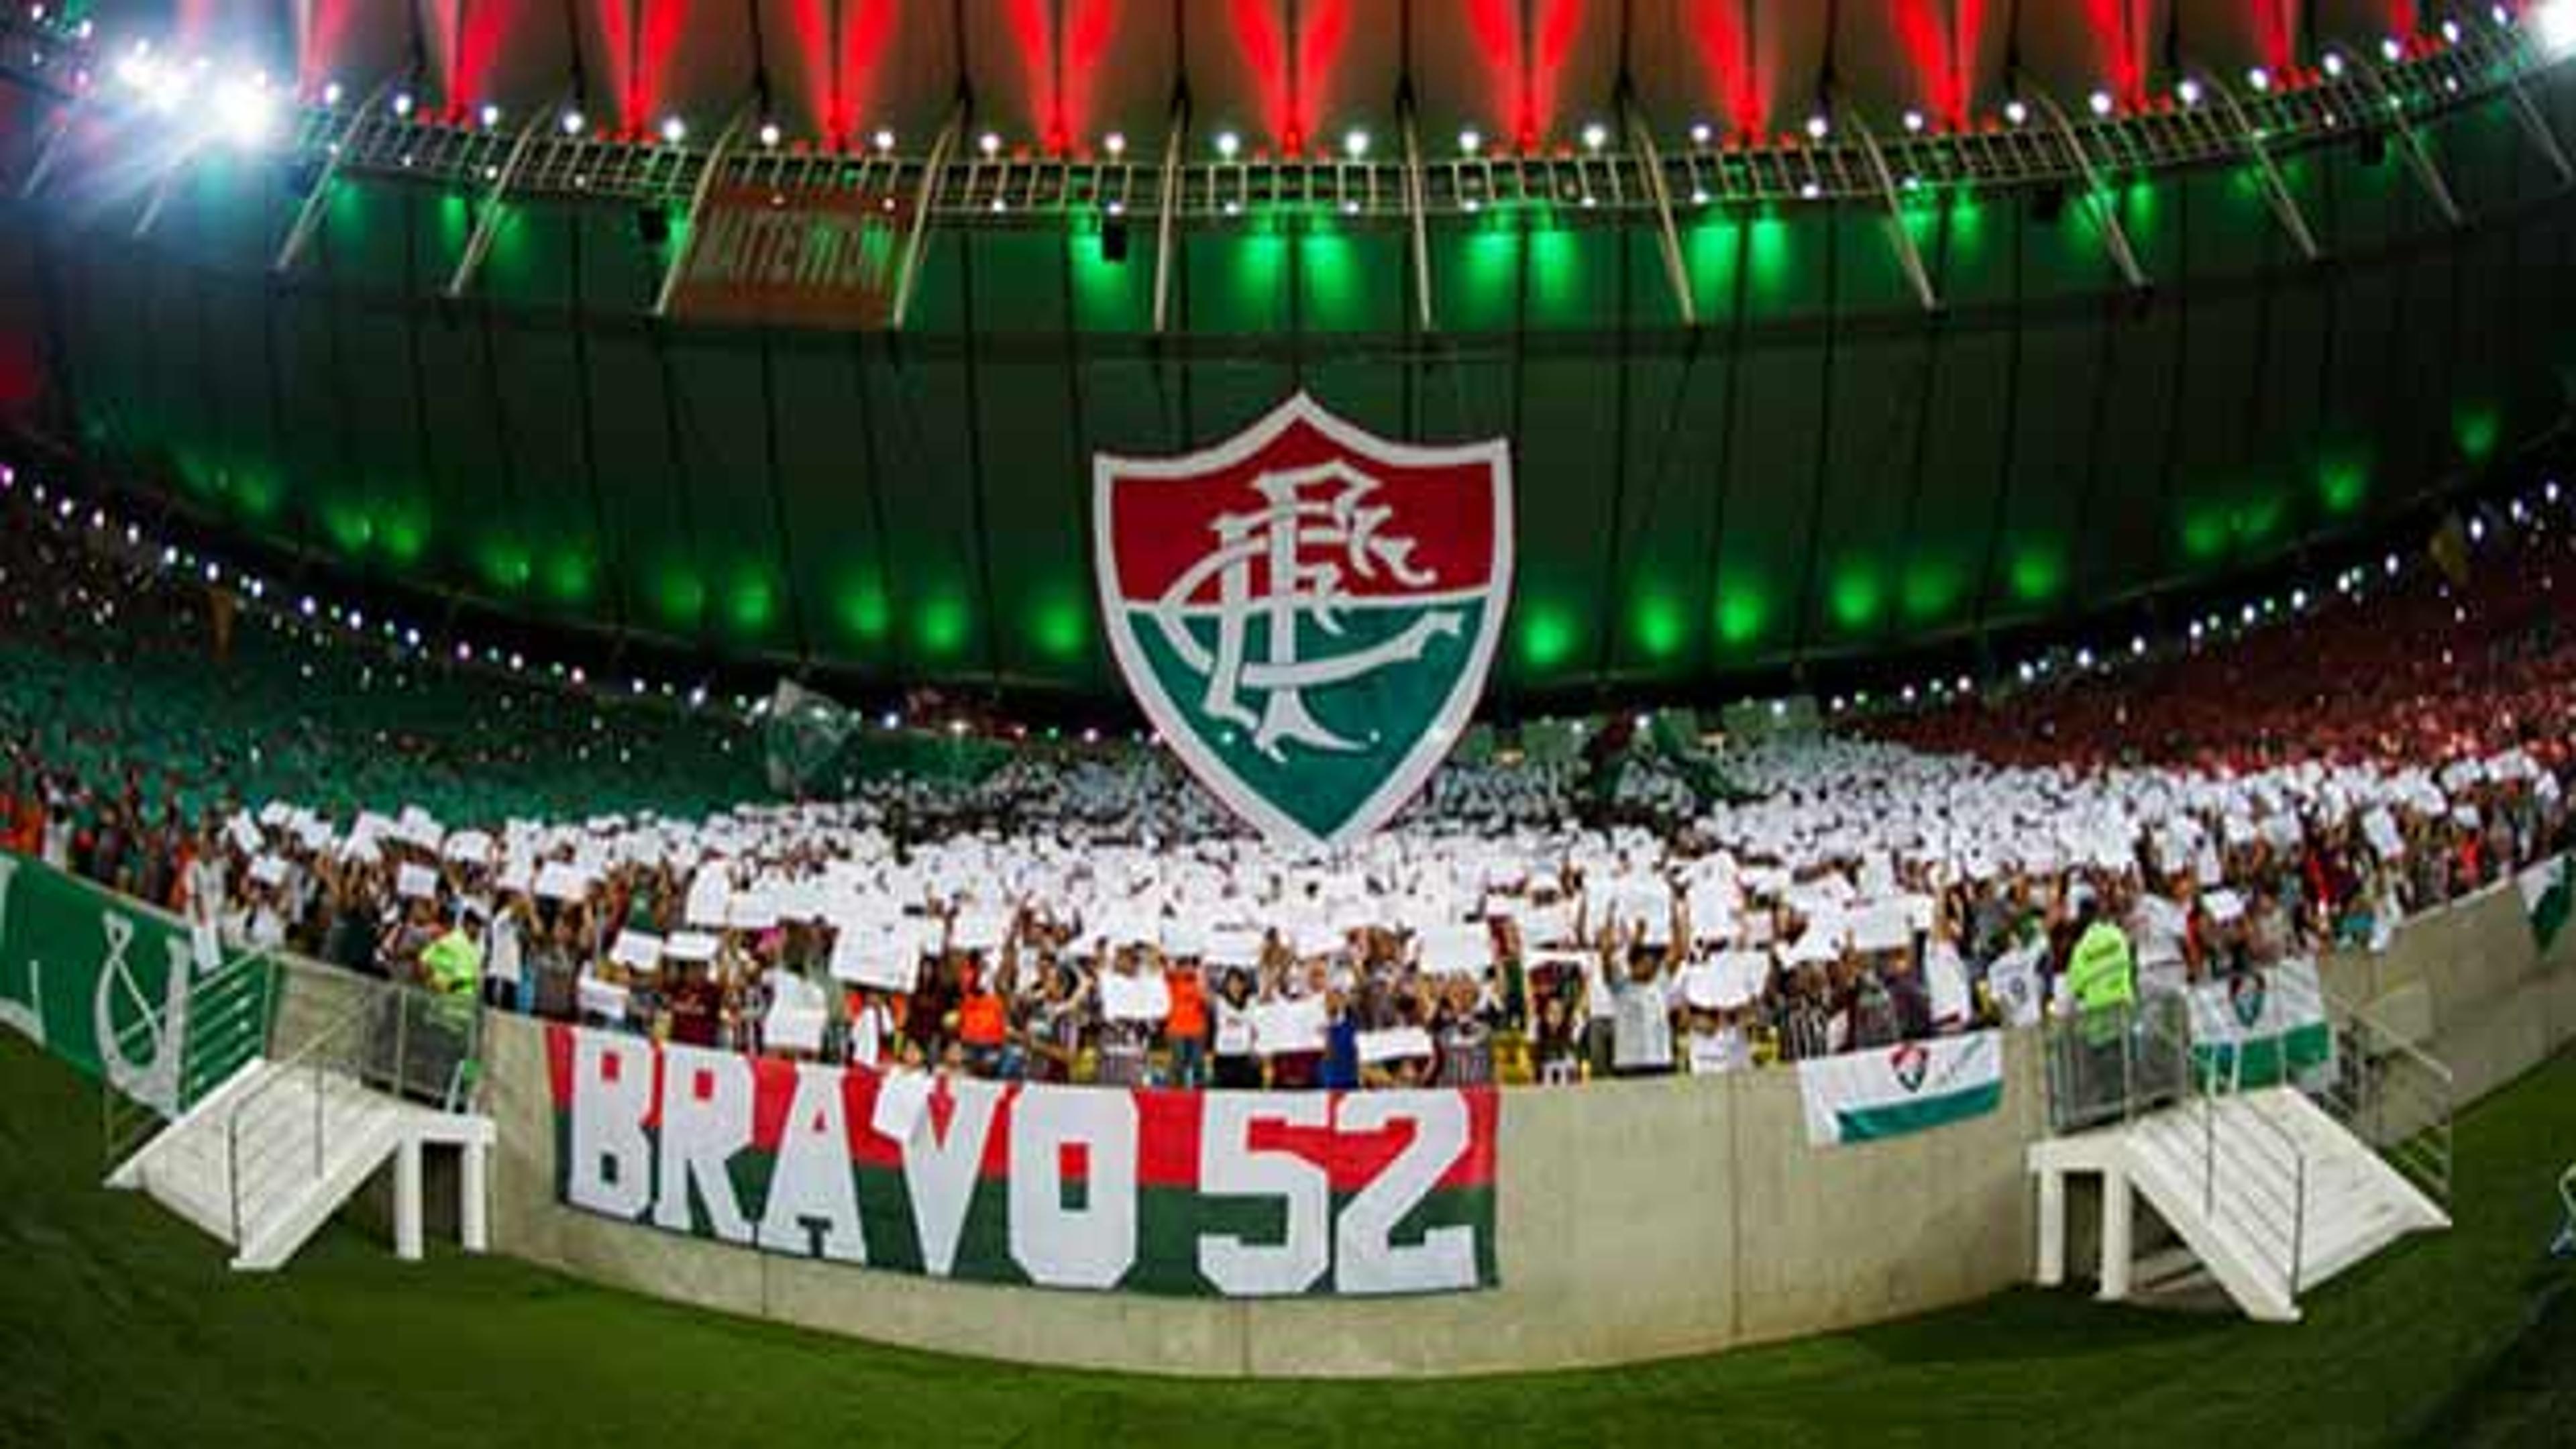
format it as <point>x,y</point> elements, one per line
<point>1094,1245</point>
<point>810,1186</point>
<point>1364,1260</point>
<point>706,1119</point>
<point>1228,1167</point>
<point>612,1089</point>
<point>939,1171</point>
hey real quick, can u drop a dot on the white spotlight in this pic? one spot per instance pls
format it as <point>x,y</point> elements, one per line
<point>1356,145</point>
<point>1818,127</point>
<point>2259,78</point>
<point>244,112</point>
<point>2016,112</point>
<point>574,122</point>
<point>769,134</point>
<point>674,131</point>
<point>1595,136</point>
<point>2188,92</point>
<point>2100,102</point>
<point>2554,26</point>
<point>1115,143</point>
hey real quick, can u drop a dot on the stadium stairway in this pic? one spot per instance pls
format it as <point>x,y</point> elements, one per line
<point>2266,1188</point>
<point>268,1158</point>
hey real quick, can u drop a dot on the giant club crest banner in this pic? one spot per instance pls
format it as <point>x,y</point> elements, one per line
<point>1307,612</point>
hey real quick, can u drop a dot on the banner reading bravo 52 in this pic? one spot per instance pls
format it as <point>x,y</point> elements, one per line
<point>1239,1194</point>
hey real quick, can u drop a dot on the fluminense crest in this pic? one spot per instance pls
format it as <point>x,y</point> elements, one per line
<point>1307,612</point>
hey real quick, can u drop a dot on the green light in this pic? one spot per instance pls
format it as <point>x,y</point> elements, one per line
<point>1658,623</point>
<point>1555,275</point>
<point>1547,637</point>
<point>404,531</point>
<point>2204,534</point>
<point>1742,614</point>
<point>349,527</point>
<point>571,576</point>
<point>752,604</point>
<point>2477,427</point>
<point>680,596</point>
<point>1060,626</point>
<point>1335,299</point>
<point>2342,483</point>
<point>259,495</point>
<point>1711,247</point>
<point>864,611</point>
<point>941,625</point>
<point>1770,259</point>
<point>1260,274</point>
<point>1488,274</point>
<point>2038,573</point>
<point>1855,597</point>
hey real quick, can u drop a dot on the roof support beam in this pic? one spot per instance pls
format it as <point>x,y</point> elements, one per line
<point>55,140</point>
<point>2097,193</point>
<point>707,175</point>
<point>2536,125</point>
<point>1668,237</point>
<point>308,217</point>
<point>2276,191</point>
<point>1416,202</point>
<point>934,175</point>
<point>2419,158</point>
<point>161,184</point>
<point>1167,206</point>
<point>1908,256</point>
<point>488,223</point>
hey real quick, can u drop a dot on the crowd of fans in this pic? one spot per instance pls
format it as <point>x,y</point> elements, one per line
<point>1088,916</point>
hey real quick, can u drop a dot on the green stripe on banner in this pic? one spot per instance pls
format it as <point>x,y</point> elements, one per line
<point>1874,1124</point>
<point>2307,1047</point>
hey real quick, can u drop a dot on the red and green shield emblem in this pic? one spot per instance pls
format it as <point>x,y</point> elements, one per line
<point>1307,612</point>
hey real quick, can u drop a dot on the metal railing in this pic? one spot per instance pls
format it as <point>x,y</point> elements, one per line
<point>2116,1064</point>
<point>2393,1095</point>
<point>379,1037</point>
<point>2264,1173</point>
<point>222,1028</point>
<point>2121,1063</point>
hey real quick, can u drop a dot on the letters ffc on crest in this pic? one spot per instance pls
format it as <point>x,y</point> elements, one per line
<point>1306,612</point>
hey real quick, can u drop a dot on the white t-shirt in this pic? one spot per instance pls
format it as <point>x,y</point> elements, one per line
<point>1725,1049</point>
<point>1233,1029</point>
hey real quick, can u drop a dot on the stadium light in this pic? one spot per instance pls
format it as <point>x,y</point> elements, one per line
<point>490,115</point>
<point>2188,92</point>
<point>990,143</point>
<point>1818,127</point>
<point>1914,122</point>
<point>1356,145</point>
<point>674,131</point>
<point>245,113</point>
<point>2450,32</point>
<point>1115,143</point>
<point>2392,50</point>
<point>574,122</point>
<point>331,93</point>
<point>1227,144</point>
<point>402,104</point>
<point>2259,78</point>
<point>2554,26</point>
<point>769,134</point>
<point>884,139</point>
<point>2334,64</point>
<point>2015,112</point>
<point>1595,136</point>
<point>2100,102</point>
<point>1471,141</point>
<point>1701,133</point>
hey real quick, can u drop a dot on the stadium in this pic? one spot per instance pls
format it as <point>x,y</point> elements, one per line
<point>1063,720</point>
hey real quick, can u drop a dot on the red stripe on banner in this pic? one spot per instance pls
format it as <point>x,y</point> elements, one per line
<point>1162,528</point>
<point>559,1064</point>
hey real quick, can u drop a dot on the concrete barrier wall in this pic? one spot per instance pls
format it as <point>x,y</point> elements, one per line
<point>1634,1220</point>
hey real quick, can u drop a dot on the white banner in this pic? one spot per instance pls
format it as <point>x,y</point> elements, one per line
<point>1884,1092</point>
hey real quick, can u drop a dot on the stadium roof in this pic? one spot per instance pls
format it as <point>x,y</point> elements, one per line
<point>2053,306</point>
